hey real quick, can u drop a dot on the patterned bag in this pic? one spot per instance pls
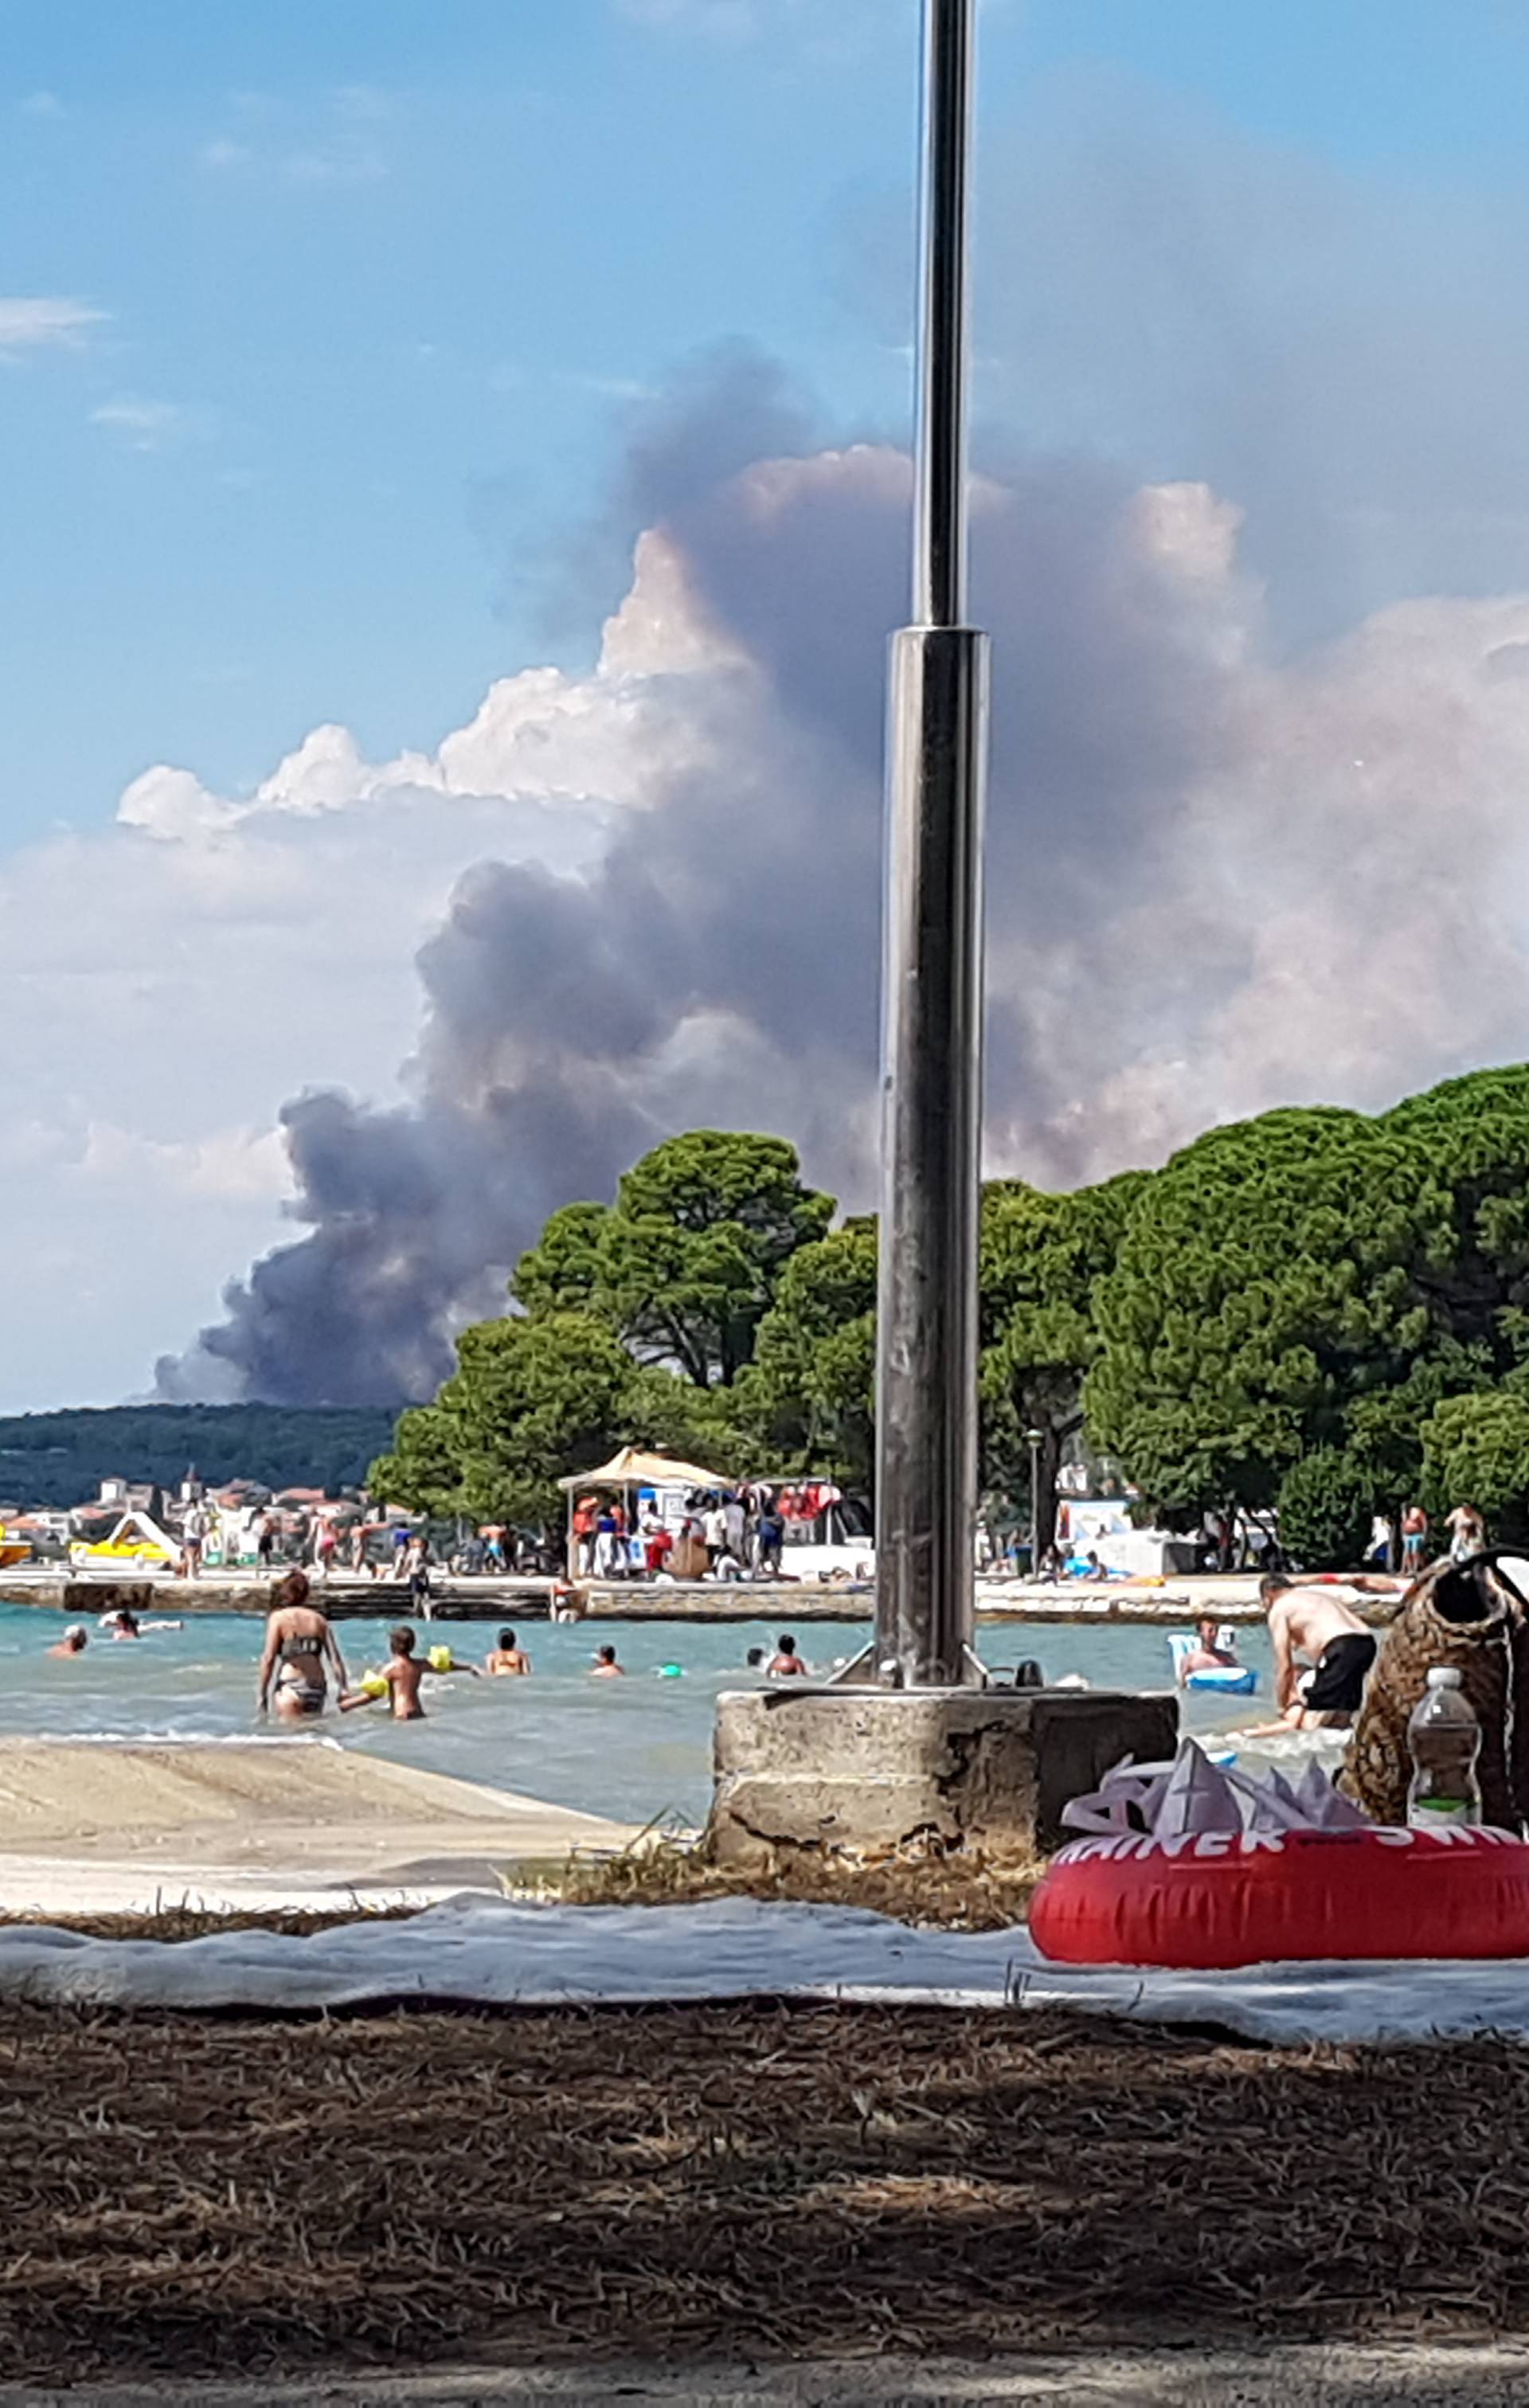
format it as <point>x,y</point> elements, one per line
<point>1468,1615</point>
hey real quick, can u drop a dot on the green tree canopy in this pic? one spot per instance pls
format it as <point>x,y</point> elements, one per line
<point>1265,1281</point>
<point>1476,1452</point>
<point>686,1262</point>
<point>532,1399</point>
<point>808,1397</point>
<point>1313,1279</point>
<point>1041,1258</point>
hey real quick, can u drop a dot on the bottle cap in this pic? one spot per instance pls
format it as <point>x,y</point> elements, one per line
<point>1444,1676</point>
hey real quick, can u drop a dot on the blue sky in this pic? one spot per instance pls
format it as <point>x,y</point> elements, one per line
<point>325,327</point>
<point>378,282</point>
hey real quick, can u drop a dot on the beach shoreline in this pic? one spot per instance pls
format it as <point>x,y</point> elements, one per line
<point>102,1826</point>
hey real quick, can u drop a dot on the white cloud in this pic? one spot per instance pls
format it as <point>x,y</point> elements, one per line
<point>150,425</point>
<point>34,324</point>
<point>42,104</point>
<point>173,978</point>
<point>343,142</point>
<point>233,1165</point>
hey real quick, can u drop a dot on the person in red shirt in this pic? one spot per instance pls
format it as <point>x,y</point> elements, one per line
<point>657,1545</point>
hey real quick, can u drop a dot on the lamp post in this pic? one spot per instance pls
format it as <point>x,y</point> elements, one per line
<point>1033,1439</point>
<point>932,968</point>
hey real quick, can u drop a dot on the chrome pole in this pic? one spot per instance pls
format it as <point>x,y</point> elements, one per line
<point>932,969</point>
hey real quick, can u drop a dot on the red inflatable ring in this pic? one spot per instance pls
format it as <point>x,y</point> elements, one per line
<point>1223,1897</point>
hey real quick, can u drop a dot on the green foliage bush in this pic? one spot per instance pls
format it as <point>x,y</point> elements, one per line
<point>1476,1452</point>
<point>1326,1513</point>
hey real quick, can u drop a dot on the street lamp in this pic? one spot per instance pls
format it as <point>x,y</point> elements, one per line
<point>1032,1439</point>
<point>932,970</point>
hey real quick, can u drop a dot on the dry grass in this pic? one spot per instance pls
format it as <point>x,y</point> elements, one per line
<point>196,1922</point>
<point>958,1892</point>
<point>203,2194</point>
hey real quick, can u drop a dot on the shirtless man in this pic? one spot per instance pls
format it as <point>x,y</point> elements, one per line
<point>508,1659</point>
<point>1317,1625</point>
<point>1208,1653</point>
<point>785,1662</point>
<point>74,1641</point>
<point>605,1666</point>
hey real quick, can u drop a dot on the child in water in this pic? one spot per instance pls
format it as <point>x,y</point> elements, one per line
<point>402,1676</point>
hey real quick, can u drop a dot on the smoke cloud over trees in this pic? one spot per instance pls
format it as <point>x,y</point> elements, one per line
<point>1217,878</point>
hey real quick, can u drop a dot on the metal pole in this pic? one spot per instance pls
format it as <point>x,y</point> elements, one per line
<point>932,971</point>
<point>1034,1436</point>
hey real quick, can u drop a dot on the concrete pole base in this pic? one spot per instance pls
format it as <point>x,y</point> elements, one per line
<point>869,1771</point>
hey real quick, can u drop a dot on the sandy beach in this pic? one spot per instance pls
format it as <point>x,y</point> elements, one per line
<point>107,1827</point>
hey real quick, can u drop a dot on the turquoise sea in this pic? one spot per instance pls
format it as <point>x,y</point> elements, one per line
<point>632,1749</point>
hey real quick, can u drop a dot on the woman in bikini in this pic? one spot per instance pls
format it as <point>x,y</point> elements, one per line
<point>301,1650</point>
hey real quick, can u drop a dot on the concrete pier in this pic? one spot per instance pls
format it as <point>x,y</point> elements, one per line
<point>1231,1597</point>
<point>858,1771</point>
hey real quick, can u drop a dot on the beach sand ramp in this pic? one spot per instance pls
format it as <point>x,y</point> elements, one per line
<point>89,1826</point>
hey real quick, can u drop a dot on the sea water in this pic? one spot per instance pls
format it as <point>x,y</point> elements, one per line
<point>634,1749</point>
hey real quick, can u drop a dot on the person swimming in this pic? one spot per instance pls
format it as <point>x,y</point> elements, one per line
<point>785,1663</point>
<point>301,1650</point>
<point>74,1641</point>
<point>508,1659</point>
<point>605,1666</point>
<point>123,1623</point>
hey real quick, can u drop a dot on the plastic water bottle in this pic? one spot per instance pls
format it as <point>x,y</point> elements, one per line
<point>1445,1739</point>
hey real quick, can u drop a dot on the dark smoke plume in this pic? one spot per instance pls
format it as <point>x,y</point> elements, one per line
<point>1186,838</point>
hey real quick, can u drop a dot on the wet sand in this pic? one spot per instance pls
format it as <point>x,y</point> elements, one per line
<point>104,1826</point>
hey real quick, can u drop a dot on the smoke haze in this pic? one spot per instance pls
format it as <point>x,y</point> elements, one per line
<point>1255,833</point>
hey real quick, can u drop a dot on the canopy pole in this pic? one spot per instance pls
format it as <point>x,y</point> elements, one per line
<point>931,969</point>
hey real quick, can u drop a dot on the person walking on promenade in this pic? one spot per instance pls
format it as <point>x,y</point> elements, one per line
<point>193,1531</point>
<point>263,1530</point>
<point>770,1538</point>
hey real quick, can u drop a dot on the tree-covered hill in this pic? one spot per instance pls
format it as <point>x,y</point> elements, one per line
<point>60,1458</point>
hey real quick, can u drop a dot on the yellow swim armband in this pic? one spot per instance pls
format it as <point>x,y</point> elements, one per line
<point>439,1659</point>
<point>372,1684</point>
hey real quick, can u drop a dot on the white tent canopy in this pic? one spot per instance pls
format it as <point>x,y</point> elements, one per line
<point>631,1468</point>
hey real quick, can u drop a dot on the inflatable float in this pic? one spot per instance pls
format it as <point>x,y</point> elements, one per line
<point>1304,1876</point>
<point>1230,1680</point>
